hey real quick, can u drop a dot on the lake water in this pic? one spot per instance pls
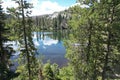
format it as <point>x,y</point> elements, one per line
<point>49,45</point>
<point>50,48</point>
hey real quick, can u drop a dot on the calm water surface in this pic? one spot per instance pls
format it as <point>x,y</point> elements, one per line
<point>49,45</point>
<point>50,48</point>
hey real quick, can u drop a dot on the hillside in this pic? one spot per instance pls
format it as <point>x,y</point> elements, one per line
<point>57,20</point>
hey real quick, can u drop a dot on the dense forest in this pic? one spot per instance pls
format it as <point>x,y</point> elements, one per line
<point>92,42</point>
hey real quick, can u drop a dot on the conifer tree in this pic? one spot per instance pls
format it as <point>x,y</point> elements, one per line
<point>27,55</point>
<point>93,30</point>
<point>5,50</point>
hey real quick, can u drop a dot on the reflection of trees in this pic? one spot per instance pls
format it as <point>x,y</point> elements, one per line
<point>60,34</point>
<point>50,23</point>
<point>55,34</point>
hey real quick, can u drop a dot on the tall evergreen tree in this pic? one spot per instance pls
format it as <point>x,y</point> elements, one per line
<point>109,16</point>
<point>93,29</point>
<point>5,50</point>
<point>27,56</point>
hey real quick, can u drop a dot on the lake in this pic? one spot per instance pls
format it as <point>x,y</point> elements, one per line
<point>49,45</point>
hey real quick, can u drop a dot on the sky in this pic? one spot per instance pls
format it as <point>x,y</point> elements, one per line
<point>42,7</point>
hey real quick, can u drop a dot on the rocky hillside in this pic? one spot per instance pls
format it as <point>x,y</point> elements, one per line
<point>57,20</point>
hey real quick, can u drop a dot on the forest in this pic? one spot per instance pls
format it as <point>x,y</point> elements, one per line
<point>91,36</point>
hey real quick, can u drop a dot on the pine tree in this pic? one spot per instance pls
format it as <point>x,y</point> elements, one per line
<point>27,58</point>
<point>110,21</point>
<point>47,72</point>
<point>94,32</point>
<point>5,50</point>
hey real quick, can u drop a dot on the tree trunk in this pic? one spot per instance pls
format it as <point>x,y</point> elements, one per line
<point>25,39</point>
